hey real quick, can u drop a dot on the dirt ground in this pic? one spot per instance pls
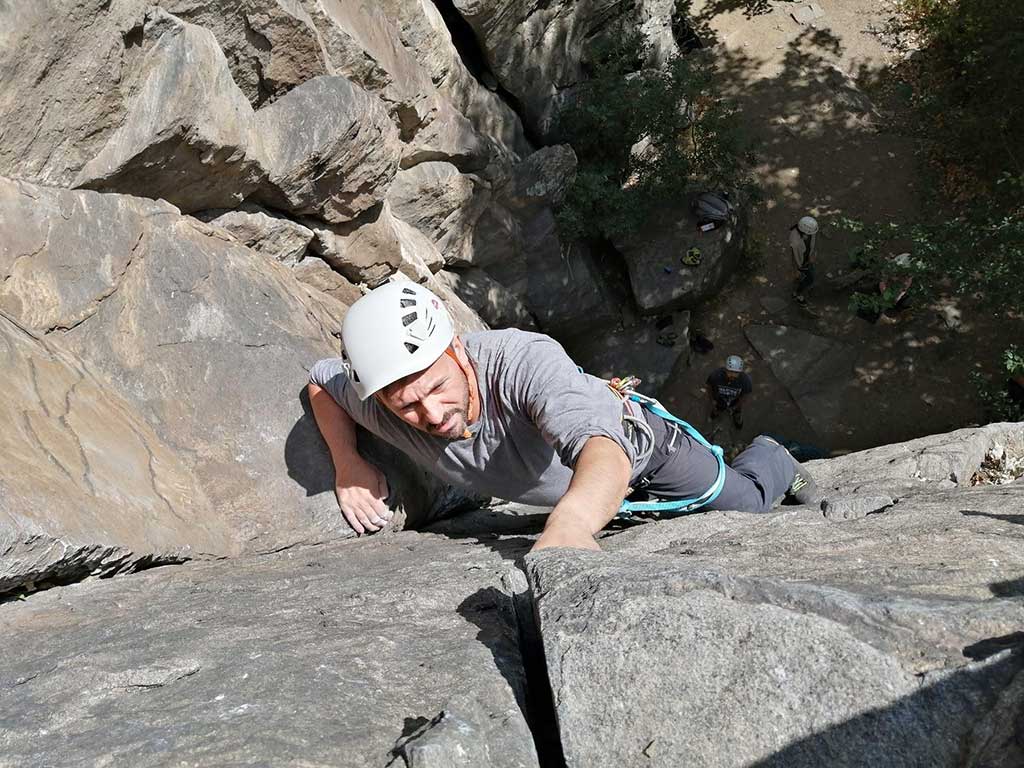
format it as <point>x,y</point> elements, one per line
<point>824,149</point>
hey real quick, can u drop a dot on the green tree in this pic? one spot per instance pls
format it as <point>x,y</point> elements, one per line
<point>642,136</point>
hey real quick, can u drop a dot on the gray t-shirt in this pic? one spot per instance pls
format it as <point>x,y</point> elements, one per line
<point>537,410</point>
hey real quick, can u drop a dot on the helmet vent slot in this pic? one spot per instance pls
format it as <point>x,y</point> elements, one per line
<point>406,303</point>
<point>408,291</point>
<point>411,347</point>
<point>409,319</point>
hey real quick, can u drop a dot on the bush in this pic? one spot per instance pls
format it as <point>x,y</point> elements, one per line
<point>992,393</point>
<point>979,253</point>
<point>688,134</point>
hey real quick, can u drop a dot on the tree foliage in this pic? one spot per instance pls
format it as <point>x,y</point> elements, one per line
<point>973,67</point>
<point>642,135</point>
<point>971,105</point>
<point>979,253</point>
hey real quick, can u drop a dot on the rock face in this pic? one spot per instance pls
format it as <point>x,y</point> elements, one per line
<point>87,486</point>
<point>325,656</point>
<point>443,204</point>
<point>270,45</point>
<point>891,638</point>
<point>79,63</point>
<point>208,340</point>
<point>497,306</point>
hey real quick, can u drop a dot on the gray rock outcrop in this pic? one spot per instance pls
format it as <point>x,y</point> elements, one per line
<point>892,638</point>
<point>333,655</point>
<point>274,236</point>
<point>814,369</point>
<point>537,49</point>
<point>442,203</point>
<point>81,62</point>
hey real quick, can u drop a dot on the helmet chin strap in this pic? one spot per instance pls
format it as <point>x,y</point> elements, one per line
<point>450,351</point>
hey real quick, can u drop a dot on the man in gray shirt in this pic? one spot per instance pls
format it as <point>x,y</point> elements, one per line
<point>507,414</point>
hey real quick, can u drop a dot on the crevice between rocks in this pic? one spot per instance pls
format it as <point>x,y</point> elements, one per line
<point>82,564</point>
<point>471,52</point>
<point>539,703</point>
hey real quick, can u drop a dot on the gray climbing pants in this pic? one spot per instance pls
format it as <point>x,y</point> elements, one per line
<point>682,468</point>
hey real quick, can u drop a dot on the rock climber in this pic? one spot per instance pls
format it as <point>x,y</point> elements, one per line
<point>508,414</point>
<point>803,246</point>
<point>727,387</point>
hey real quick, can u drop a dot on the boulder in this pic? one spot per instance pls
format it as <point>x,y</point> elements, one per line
<point>75,54</point>
<point>541,179</point>
<point>317,273</point>
<point>373,247</point>
<point>496,306</point>
<point>86,487</point>
<point>563,288</point>
<point>814,369</point>
<point>661,281</point>
<point>443,204</point>
<point>366,250</point>
<point>207,339</point>
<point>266,232</point>
<point>851,642</point>
<point>938,461</point>
<point>331,150</point>
<point>334,655</point>
<point>271,45</point>
<point>186,135</point>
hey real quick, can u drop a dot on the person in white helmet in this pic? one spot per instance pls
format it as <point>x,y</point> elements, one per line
<point>803,246</point>
<point>507,414</point>
<point>727,387</point>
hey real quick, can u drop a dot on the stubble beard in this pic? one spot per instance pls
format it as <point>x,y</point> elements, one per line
<point>458,430</point>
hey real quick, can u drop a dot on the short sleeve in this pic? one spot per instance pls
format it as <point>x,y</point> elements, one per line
<point>331,374</point>
<point>565,404</point>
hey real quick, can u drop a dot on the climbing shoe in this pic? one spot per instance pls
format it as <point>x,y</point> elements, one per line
<point>803,489</point>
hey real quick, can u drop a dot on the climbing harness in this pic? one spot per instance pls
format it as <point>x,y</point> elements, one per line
<point>625,389</point>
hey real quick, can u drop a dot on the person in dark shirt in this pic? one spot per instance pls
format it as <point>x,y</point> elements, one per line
<point>727,387</point>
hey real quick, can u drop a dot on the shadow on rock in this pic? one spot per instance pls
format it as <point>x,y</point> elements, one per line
<point>1011,588</point>
<point>305,453</point>
<point>906,721</point>
<point>1014,519</point>
<point>520,660</point>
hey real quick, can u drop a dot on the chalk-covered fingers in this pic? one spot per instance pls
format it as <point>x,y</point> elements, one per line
<point>361,491</point>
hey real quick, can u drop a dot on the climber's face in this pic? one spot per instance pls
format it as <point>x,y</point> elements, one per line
<point>436,400</point>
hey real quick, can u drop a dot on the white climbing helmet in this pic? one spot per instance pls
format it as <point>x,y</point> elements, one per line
<point>808,225</point>
<point>734,363</point>
<point>393,331</point>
